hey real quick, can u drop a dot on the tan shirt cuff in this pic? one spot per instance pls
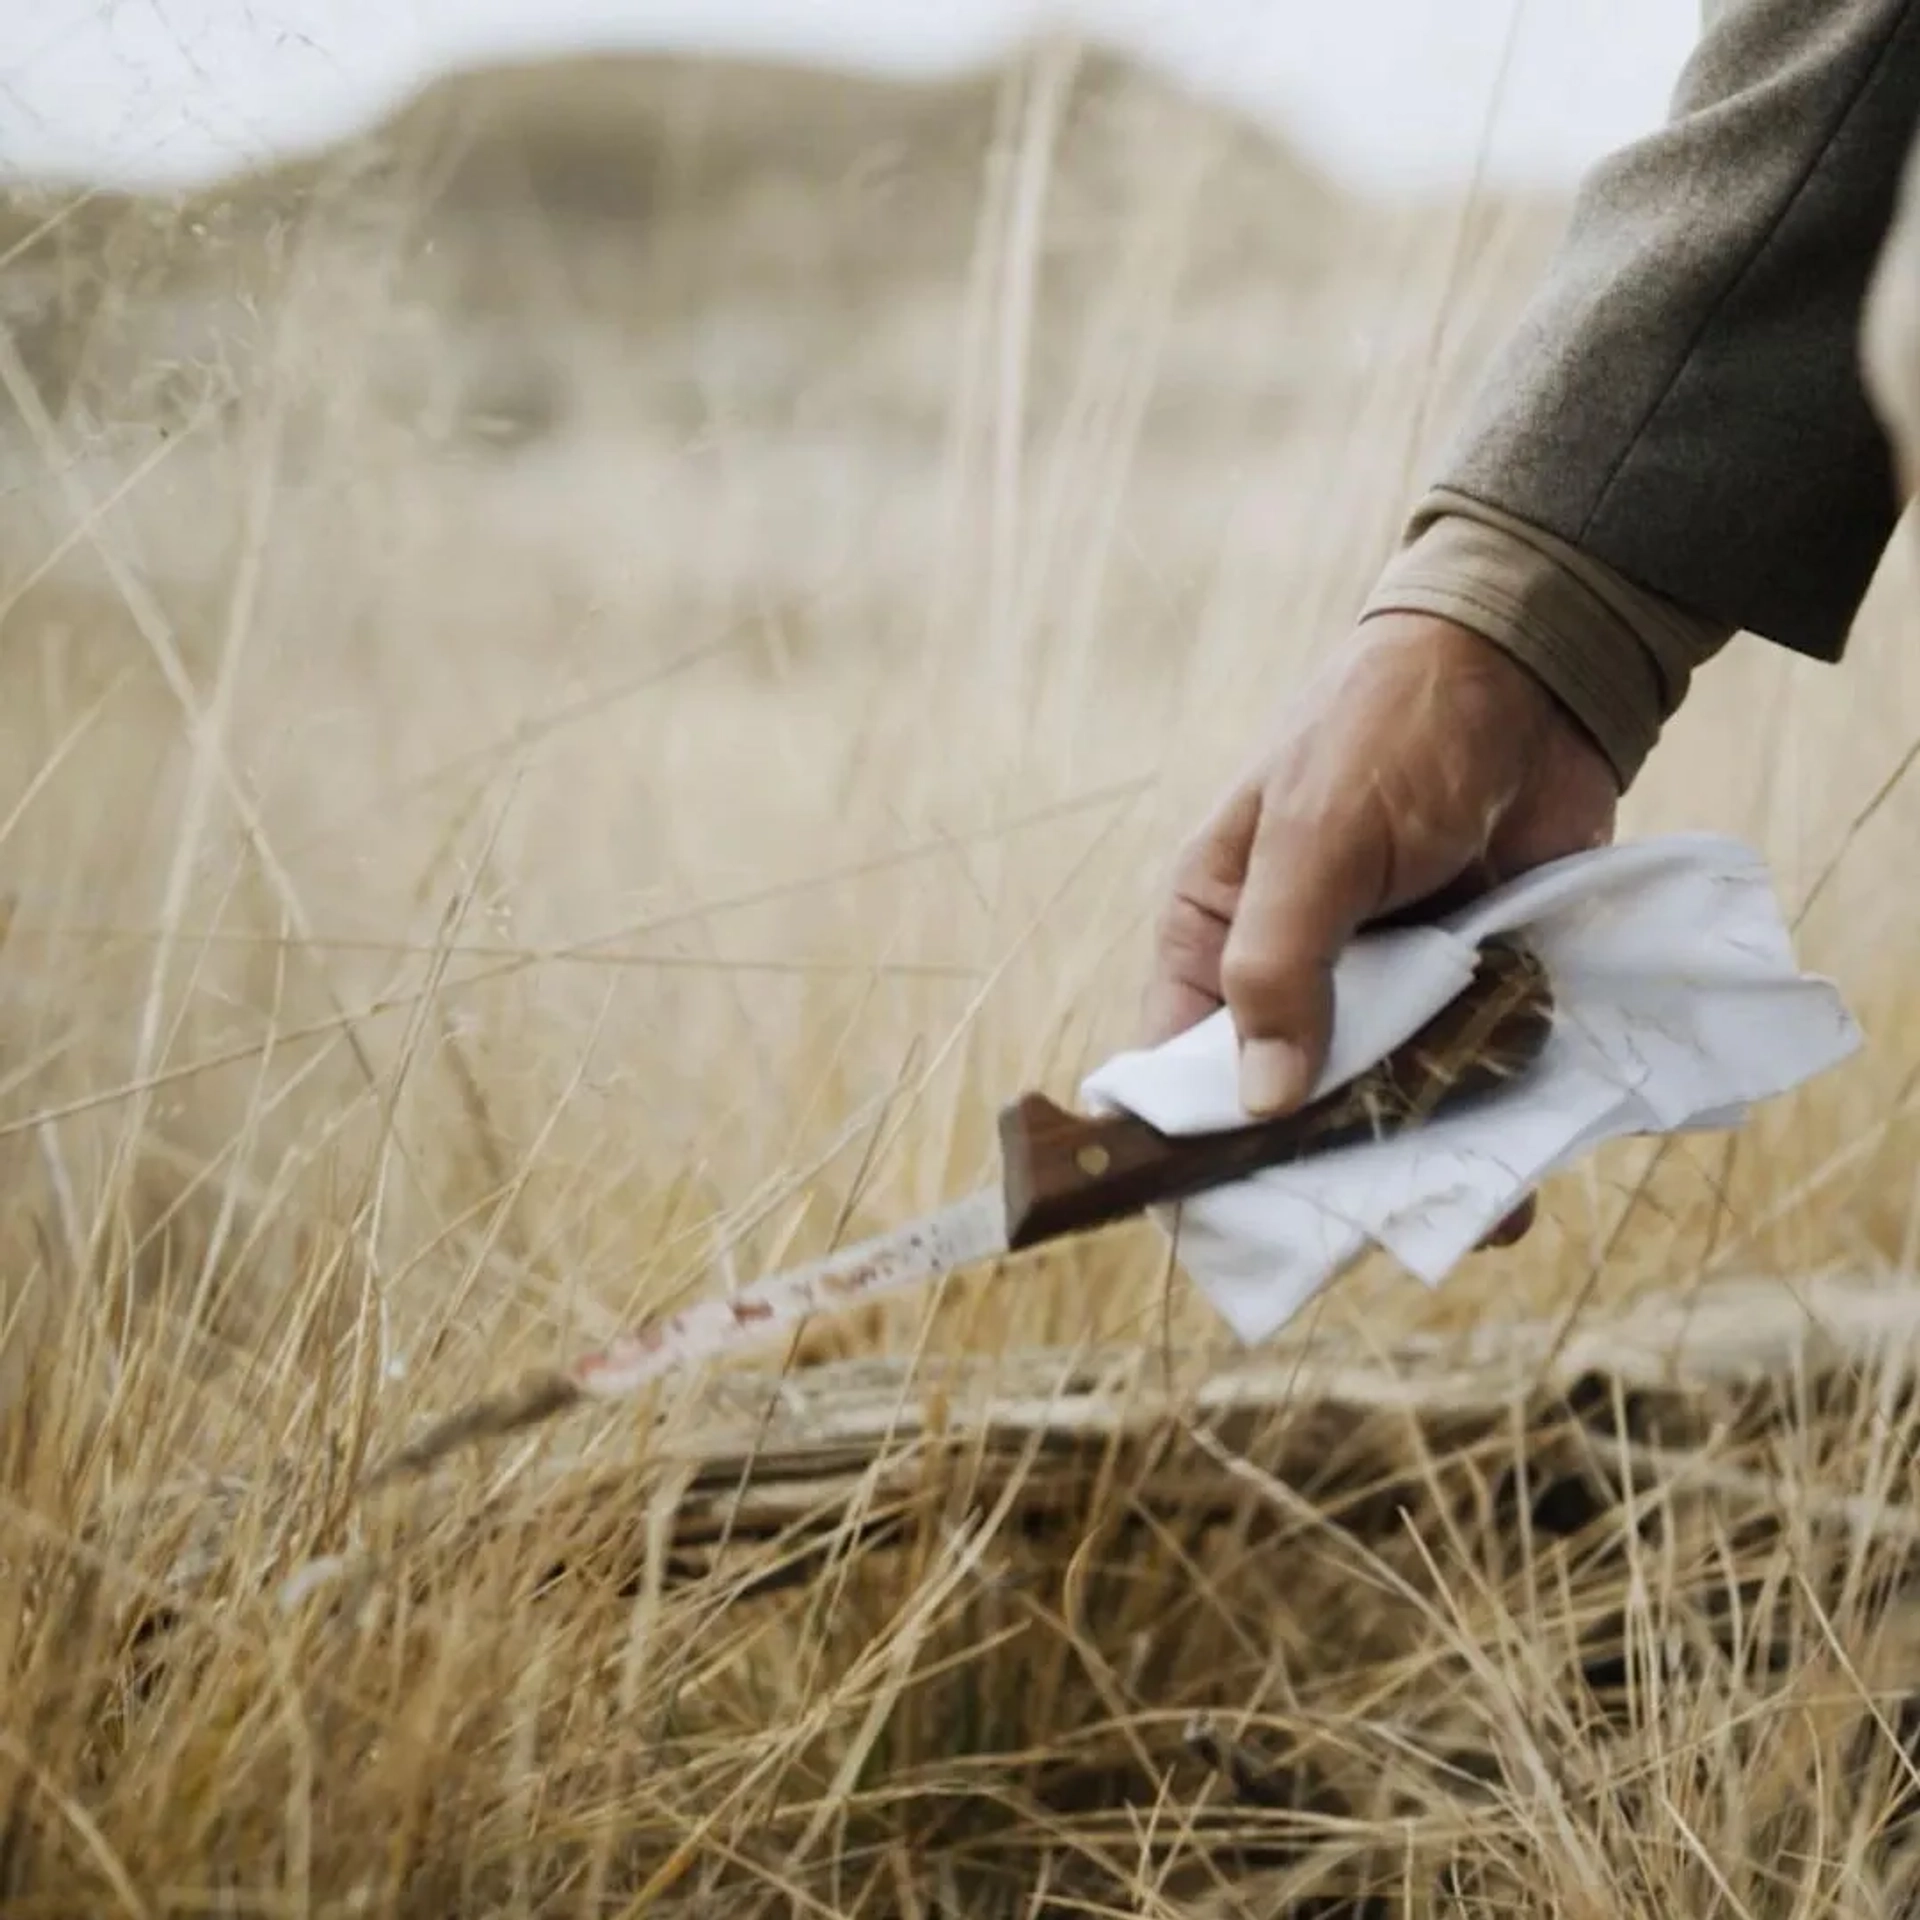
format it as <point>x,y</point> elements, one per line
<point>1618,657</point>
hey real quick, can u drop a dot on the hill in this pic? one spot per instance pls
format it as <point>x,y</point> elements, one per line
<point>717,239</point>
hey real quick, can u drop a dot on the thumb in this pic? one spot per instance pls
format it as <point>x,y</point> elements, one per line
<point>1312,882</point>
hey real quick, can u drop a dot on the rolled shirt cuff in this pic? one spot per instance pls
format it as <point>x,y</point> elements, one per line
<point>1618,657</point>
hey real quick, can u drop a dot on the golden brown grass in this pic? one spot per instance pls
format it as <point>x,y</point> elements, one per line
<point>558,749</point>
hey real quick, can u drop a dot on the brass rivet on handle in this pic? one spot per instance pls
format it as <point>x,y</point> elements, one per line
<point>1093,1160</point>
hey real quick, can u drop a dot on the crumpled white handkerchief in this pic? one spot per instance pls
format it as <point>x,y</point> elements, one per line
<point>1677,1006</point>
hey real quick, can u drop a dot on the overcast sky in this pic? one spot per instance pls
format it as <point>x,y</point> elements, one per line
<point>1383,91</point>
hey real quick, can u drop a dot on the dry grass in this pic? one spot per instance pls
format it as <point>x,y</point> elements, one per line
<point>565,741</point>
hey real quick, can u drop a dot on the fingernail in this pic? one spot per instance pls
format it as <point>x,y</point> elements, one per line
<point>1273,1076</point>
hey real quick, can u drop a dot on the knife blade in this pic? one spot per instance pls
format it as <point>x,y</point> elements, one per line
<point>1061,1174</point>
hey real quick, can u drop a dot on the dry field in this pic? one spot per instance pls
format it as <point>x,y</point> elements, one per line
<point>587,687</point>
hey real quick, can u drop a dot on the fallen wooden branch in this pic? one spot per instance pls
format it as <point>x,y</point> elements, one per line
<point>763,1473</point>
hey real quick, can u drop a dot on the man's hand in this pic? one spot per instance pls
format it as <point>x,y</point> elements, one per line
<point>1421,766</point>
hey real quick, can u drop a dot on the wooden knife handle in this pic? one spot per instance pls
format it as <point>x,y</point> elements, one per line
<point>1067,1173</point>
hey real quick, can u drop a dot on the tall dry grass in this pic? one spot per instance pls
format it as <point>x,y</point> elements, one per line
<point>575,719</point>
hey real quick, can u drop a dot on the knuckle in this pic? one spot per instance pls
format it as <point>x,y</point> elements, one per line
<point>1255,976</point>
<point>1210,863</point>
<point>1196,852</point>
<point>1184,931</point>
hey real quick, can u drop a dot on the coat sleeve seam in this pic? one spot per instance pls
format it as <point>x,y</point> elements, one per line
<point>1738,277</point>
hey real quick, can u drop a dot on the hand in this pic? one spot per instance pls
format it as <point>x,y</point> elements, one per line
<point>1419,767</point>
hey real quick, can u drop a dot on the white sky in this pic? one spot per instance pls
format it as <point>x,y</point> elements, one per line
<point>1386,92</point>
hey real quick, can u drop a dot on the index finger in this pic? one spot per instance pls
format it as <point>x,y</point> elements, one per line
<point>1202,897</point>
<point>1313,879</point>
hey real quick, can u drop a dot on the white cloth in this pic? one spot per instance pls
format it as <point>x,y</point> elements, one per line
<point>1678,1004</point>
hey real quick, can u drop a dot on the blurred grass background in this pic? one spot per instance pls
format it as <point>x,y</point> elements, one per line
<point>590,683</point>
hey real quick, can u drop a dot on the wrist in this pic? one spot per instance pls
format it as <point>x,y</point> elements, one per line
<point>1532,710</point>
<point>1612,659</point>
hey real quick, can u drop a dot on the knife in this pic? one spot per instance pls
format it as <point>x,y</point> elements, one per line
<point>1061,1174</point>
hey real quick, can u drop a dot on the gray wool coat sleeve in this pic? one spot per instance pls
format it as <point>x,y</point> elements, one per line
<point>1682,405</point>
<point>1679,442</point>
<point>1683,399</point>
